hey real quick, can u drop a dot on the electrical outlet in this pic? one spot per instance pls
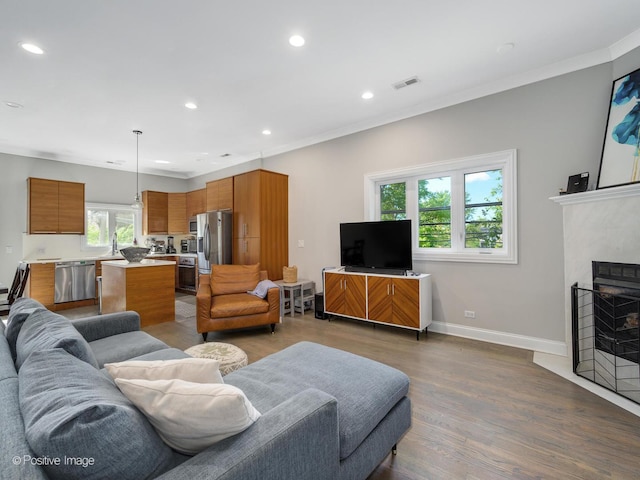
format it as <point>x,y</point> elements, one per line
<point>8,249</point>
<point>469,314</point>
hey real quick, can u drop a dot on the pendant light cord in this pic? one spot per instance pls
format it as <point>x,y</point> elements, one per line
<point>138,133</point>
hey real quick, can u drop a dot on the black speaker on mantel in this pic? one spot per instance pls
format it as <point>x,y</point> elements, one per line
<point>319,303</point>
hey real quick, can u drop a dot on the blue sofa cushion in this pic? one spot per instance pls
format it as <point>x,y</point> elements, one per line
<point>366,390</point>
<point>44,330</point>
<point>71,410</point>
<point>20,311</point>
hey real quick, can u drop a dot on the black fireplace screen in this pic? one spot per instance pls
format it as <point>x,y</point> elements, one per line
<point>606,343</point>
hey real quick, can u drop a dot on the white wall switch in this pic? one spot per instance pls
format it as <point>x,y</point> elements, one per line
<point>300,243</point>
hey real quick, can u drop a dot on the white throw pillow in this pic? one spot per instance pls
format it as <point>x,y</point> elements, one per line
<point>189,416</point>
<point>199,370</point>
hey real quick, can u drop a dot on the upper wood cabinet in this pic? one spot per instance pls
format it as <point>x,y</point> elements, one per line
<point>220,194</point>
<point>55,206</point>
<point>261,220</point>
<point>177,213</point>
<point>155,213</point>
<point>196,202</point>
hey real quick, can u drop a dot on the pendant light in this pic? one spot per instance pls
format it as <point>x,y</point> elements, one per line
<point>137,201</point>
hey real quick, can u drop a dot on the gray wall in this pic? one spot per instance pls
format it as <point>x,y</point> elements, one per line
<point>556,126</point>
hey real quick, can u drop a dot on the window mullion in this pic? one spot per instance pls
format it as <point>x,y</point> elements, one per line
<point>457,211</point>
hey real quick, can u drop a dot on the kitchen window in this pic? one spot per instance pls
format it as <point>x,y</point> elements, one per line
<point>461,210</point>
<point>103,220</point>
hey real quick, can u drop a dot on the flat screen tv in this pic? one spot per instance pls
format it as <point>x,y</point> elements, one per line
<point>382,247</point>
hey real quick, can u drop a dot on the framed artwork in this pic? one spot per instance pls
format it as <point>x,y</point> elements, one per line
<point>619,164</point>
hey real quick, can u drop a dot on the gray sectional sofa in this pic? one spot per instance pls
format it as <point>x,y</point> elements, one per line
<point>326,413</point>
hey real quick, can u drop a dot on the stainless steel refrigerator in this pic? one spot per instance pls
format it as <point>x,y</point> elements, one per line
<point>215,239</point>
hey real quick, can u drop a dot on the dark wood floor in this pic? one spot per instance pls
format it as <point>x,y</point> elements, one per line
<point>480,411</point>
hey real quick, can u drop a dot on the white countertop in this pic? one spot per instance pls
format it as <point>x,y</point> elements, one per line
<point>147,262</point>
<point>103,258</point>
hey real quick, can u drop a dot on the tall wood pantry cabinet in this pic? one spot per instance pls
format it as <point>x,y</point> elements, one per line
<point>261,220</point>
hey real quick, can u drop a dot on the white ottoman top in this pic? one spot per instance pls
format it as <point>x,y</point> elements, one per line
<point>230,357</point>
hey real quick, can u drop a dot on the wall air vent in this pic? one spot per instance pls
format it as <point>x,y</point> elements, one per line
<point>405,83</point>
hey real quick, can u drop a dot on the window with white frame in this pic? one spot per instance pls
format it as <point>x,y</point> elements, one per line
<point>461,210</point>
<point>103,220</point>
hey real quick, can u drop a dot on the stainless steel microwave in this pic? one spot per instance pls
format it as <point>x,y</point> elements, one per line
<point>193,225</point>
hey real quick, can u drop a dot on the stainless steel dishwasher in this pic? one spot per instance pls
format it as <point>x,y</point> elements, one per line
<point>75,281</point>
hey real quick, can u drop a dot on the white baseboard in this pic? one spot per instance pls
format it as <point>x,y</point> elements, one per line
<point>501,338</point>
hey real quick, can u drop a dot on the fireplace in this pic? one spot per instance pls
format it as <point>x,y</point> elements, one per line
<point>605,330</point>
<point>616,308</point>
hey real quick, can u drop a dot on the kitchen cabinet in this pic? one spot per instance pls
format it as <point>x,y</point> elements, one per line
<point>55,206</point>
<point>41,284</point>
<point>155,213</point>
<point>196,202</point>
<point>177,213</point>
<point>260,221</point>
<point>220,194</point>
<point>345,295</point>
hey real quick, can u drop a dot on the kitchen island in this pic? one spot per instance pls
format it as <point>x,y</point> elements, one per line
<point>147,287</point>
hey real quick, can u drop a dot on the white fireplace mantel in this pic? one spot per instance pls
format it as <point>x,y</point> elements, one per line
<point>598,195</point>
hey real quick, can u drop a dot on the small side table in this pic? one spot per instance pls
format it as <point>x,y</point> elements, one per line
<point>294,295</point>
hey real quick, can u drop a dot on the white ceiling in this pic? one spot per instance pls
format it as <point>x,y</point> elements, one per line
<point>112,66</point>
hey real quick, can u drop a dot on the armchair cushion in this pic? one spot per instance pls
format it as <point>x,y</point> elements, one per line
<point>227,279</point>
<point>237,304</point>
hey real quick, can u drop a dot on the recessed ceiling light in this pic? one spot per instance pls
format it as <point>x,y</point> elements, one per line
<point>505,48</point>
<point>367,95</point>
<point>31,48</point>
<point>13,104</point>
<point>191,105</point>
<point>164,162</point>
<point>296,41</point>
<point>266,131</point>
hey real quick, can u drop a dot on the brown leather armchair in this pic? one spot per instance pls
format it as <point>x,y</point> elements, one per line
<point>223,303</point>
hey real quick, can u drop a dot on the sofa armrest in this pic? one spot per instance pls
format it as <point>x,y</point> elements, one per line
<point>297,439</point>
<point>273,297</point>
<point>102,326</point>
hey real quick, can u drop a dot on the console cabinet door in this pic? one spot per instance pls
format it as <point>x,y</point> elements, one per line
<point>380,299</point>
<point>41,283</point>
<point>355,295</point>
<point>333,293</point>
<point>406,302</point>
<point>394,300</point>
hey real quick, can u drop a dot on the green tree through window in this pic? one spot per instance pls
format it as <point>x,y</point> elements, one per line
<point>393,201</point>
<point>434,209</point>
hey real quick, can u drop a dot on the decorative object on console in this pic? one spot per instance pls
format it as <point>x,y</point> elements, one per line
<point>134,254</point>
<point>621,149</point>
<point>137,202</point>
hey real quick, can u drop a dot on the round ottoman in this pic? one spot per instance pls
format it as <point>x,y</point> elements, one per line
<point>230,357</point>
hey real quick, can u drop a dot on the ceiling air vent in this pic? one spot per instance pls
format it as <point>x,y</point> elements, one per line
<point>405,83</point>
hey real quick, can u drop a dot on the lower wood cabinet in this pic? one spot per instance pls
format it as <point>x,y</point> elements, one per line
<point>388,299</point>
<point>345,294</point>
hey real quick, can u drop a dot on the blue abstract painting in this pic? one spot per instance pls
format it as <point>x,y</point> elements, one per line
<point>620,162</point>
